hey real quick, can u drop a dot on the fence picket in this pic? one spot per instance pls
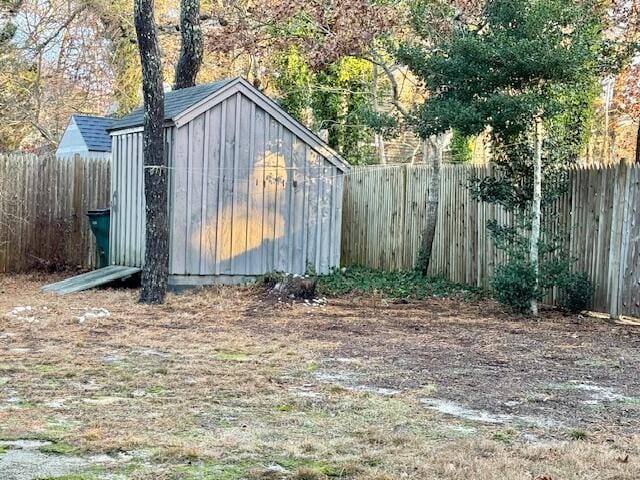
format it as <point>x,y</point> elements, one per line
<point>598,213</point>
<point>43,201</point>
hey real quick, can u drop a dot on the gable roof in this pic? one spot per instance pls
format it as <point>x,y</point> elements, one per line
<point>175,102</point>
<point>183,105</point>
<point>94,131</point>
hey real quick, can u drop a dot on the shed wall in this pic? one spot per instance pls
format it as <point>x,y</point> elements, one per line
<point>249,196</point>
<point>71,142</point>
<point>127,233</point>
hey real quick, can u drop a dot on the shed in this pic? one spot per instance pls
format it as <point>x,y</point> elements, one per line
<point>251,190</point>
<point>86,135</point>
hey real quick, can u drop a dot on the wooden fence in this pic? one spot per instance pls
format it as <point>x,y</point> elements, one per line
<point>384,213</point>
<point>43,202</point>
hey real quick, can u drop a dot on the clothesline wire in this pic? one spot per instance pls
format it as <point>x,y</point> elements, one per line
<point>271,174</point>
<point>265,172</point>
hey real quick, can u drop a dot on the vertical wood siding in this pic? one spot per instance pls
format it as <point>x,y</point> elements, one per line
<point>250,197</point>
<point>127,235</point>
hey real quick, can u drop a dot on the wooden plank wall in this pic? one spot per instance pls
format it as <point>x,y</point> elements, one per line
<point>43,201</point>
<point>250,197</point>
<point>127,234</point>
<point>384,212</point>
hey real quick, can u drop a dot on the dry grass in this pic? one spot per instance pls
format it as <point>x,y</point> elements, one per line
<point>224,384</point>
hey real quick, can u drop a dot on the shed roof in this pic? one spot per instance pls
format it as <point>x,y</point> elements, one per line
<point>94,132</point>
<point>183,105</point>
<point>175,102</point>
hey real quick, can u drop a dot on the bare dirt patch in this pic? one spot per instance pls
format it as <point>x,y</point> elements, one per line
<point>226,384</point>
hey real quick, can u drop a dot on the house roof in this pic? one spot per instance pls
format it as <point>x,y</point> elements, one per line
<point>175,102</point>
<point>94,132</point>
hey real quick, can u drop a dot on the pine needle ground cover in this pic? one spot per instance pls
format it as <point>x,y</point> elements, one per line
<point>231,384</point>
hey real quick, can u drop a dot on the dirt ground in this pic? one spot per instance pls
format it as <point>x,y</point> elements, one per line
<point>225,383</point>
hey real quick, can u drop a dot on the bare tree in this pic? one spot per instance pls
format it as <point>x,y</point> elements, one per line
<point>156,268</point>
<point>191,48</point>
<point>51,53</point>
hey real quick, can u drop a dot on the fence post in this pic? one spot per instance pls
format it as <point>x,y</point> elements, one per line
<point>620,195</point>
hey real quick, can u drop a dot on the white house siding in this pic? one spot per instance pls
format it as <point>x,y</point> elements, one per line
<point>72,143</point>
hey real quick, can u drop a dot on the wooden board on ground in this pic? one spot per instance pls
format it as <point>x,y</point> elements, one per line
<point>93,279</point>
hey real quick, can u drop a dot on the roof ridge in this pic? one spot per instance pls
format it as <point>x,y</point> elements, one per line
<point>88,115</point>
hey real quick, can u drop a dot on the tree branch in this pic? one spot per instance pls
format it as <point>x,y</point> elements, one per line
<point>395,92</point>
<point>64,25</point>
<point>43,131</point>
<point>173,28</point>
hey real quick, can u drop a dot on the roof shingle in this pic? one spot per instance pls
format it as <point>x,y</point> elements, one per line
<point>94,132</point>
<point>175,102</point>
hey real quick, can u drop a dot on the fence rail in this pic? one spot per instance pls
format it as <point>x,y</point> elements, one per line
<point>43,201</point>
<point>384,213</point>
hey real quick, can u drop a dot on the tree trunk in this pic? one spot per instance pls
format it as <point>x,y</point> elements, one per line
<point>433,199</point>
<point>191,49</point>
<point>378,140</point>
<point>608,133</point>
<point>536,210</point>
<point>156,268</point>
<point>638,144</point>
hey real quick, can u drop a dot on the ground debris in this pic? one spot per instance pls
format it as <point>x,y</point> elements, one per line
<point>93,313</point>
<point>295,287</point>
<point>24,313</point>
<point>227,381</point>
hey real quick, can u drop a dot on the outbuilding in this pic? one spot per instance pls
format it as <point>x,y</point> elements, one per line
<point>86,135</point>
<point>251,190</point>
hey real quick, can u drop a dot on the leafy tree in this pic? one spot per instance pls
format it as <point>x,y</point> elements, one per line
<point>119,32</point>
<point>17,79</point>
<point>338,99</point>
<point>325,30</point>
<point>293,79</point>
<point>527,67</point>
<point>342,104</point>
<point>316,55</point>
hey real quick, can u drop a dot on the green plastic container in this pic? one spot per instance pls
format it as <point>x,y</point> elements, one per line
<point>100,221</point>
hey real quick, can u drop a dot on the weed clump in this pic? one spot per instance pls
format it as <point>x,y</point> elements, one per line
<point>578,434</point>
<point>404,284</point>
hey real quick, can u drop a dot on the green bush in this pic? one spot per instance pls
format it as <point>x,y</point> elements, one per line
<point>461,148</point>
<point>407,284</point>
<point>576,291</point>
<point>514,284</point>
